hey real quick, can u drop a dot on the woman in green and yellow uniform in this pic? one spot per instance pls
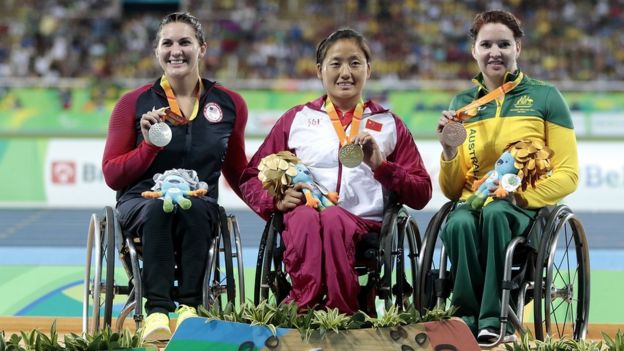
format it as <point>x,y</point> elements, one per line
<point>523,108</point>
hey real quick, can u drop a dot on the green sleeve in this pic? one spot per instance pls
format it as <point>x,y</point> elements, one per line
<point>560,137</point>
<point>558,111</point>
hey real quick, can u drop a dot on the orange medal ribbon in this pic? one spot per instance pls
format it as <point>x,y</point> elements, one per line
<point>340,130</point>
<point>470,110</point>
<point>174,114</point>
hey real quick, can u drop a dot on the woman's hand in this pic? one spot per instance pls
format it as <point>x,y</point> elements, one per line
<point>372,154</point>
<point>448,152</point>
<point>293,197</point>
<point>150,118</point>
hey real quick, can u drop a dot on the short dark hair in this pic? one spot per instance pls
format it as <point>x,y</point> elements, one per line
<point>496,16</point>
<point>183,17</point>
<point>343,33</point>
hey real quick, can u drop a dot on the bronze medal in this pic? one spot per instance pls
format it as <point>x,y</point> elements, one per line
<point>453,134</point>
<point>351,155</point>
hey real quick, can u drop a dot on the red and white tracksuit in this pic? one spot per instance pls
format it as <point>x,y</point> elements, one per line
<point>320,246</point>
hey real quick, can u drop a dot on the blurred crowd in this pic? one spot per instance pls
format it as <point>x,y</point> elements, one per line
<point>577,40</point>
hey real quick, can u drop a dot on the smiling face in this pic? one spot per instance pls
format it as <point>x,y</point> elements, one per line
<point>178,50</point>
<point>344,71</point>
<point>496,52</point>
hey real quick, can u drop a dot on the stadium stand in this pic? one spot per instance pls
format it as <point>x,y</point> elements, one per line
<point>272,39</point>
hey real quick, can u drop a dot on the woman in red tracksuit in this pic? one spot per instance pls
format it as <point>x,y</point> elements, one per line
<point>320,246</point>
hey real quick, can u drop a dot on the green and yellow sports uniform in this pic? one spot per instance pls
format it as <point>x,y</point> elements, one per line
<point>534,110</point>
<point>476,240</point>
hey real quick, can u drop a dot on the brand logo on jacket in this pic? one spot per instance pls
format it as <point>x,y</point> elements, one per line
<point>213,112</point>
<point>524,101</point>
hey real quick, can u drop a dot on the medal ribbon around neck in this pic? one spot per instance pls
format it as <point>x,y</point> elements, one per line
<point>175,115</point>
<point>340,130</point>
<point>469,110</point>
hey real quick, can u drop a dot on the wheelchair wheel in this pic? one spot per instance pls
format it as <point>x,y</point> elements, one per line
<point>399,249</point>
<point>238,254</point>
<point>429,288</point>
<point>406,251</point>
<point>391,243</point>
<point>264,274</point>
<point>100,261</point>
<point>219,276</point>
<point>562,278</point>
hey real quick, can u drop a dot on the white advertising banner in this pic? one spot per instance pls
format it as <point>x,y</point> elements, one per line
<point>73,176</point>
<point>601,178</point>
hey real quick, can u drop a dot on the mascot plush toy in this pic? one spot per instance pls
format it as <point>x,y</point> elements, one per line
<point>173,186</point>
<point>522,163</point>
<point>281,170</point>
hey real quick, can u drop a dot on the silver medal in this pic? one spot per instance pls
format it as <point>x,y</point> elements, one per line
<point>160,134</point>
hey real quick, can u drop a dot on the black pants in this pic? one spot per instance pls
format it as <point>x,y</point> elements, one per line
<point>180,238</point>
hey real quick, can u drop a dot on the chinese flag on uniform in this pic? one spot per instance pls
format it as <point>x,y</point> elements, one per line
<point>372,125</point>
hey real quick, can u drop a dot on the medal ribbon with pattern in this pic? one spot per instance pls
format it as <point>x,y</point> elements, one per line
<point>174,114</point>
<point>469,110</point>
<point>340,130</point>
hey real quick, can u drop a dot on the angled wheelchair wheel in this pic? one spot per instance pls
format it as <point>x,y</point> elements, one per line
<point>399,250</point>
<point>562,278</point>
<point>237,253</point>
<point>407,252</point>
<point>389,261</point>
<point>267,267</point>
<point>219,286</point>
<point>98,294</point>
<point>431,287</point>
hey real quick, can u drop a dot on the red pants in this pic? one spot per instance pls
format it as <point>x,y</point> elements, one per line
<point>320,256</point>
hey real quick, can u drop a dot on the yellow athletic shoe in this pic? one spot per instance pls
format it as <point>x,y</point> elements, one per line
<point>156,328</point>
<point>185,312</point>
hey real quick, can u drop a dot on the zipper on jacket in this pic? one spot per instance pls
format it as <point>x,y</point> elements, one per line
<point>339,172</point>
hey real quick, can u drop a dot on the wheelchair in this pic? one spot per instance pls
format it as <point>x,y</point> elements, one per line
<point>548,265</point>
<point>388,260</point>
<point>105,239</point>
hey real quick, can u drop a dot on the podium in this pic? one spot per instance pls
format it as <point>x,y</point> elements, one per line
<point>198,333</point>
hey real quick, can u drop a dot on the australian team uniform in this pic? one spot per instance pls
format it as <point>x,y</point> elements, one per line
<point>476,240</point>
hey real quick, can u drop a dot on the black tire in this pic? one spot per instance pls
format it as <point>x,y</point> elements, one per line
<point>108,250</point>
<point>262,286</point>
<point>426,299</point>
<point>388,244</point>
<point>414,245</point>
<point>562,278</point>
<point>226,240</point>
<point>398,253</point>
<point>238,253</point>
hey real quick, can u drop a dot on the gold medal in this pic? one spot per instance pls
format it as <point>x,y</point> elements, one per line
<point>351,155</point>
